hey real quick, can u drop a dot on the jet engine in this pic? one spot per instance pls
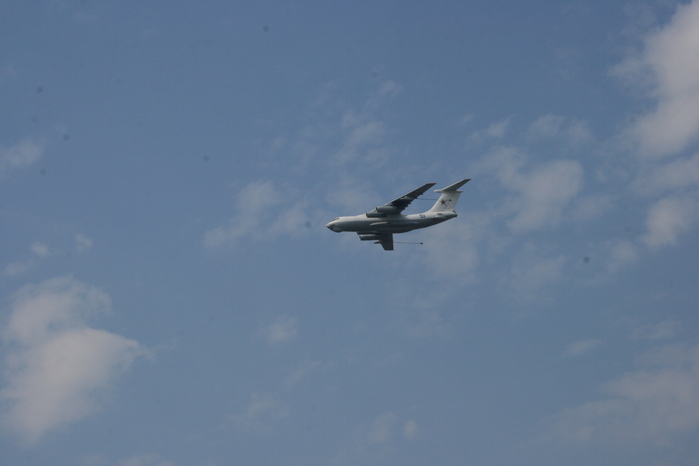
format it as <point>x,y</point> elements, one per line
<point>382,211</point>
<point>369,237</point>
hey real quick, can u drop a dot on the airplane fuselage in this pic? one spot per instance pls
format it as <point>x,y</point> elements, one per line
<point>390,223</point>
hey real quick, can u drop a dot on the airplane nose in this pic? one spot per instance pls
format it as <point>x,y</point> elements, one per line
<point>331,226</point>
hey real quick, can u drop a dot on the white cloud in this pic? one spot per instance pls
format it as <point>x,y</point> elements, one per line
<point>495,130</point>
<point>262,212</point>
<point>16,268</point>
<point>668,218</point>
<point>263,413</point>
<point>578,132</point>
<point>57,368</point>
<point>9,70</point>
<point>542,193</point>
<point>82,243</point>
<point>670,61</point>
<point>352,195</point>
<point>343,133</point>
<point>40,249</point>
<point>547,126</point>
<point>555,126</point>
<point>282,330</point>
<point>531,271</point>
<point>452,250</point>
<point>21,155</point>
<point>661,331</point>
<point>465,120</point>
<point>292,221</point>
<point>361,132</point>
<point>363,139</point>
<point>622,253</point>
<point>581,347</point>
<point>609,258</point>
<point>410,429</point>
<point>383,429</point>
<point>498,130</point>
<point>390,88</point>
<point>545,192</point>
<point>649,405</point>
<point>135,460</point>
<point>678,174</point>
<point>146,460</point>
<point>302,370</point>
<point>593,206</point>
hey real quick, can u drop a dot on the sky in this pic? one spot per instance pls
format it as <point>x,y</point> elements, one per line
<point>170,296</point>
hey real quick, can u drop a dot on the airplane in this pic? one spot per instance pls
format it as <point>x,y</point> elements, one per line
<point>380,224</point>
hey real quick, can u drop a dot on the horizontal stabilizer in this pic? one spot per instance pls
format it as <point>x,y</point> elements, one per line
<point>453,187</point>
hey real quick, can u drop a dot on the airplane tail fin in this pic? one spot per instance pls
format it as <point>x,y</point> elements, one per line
<point>449,197</point>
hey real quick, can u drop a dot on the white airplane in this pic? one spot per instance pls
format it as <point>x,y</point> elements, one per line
<point>380,224</point>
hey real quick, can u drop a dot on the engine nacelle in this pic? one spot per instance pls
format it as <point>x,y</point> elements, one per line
<point>369,237</point>
<point>374,214</point>
<point>386,209</point>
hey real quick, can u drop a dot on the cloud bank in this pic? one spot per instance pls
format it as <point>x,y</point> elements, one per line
<point>669,61</point>
<point>21,155</point>
<point>57,369</point>
<point>653,404</point>
<point>262,212</point>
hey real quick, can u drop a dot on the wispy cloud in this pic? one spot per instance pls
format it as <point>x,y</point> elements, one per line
<point>146,460</point>
<point>541,192</point>
<point>410,429</point>
<point>82,243</point>
<point>661,331</point>
<point>494,131</point>
<point>262,413</point>
<point>547,126</point>
<point>652,404</point>
<point>387,428</point>
<point>451,251</point>
<point>622,253</point>
<point>262,212</point>
<point>282,330</point>
<point>668,218</point>
<point>58,368</point>
<point>581,347</point>
<point>545,192</point>
<point>533,270</point>
<point>552,126</point>
<point>40,249</point>
<point>678,174</point>
<point>21,155</point>
<point>383,429</point>
<point>14,269</point>
<point>668,64</point>
<point>302,370</point>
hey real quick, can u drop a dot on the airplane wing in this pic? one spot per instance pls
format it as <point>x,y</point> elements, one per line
<point>397,206</point>
<point>386,241</point>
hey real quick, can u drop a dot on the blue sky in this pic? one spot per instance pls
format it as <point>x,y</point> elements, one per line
<point>171,296</point>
